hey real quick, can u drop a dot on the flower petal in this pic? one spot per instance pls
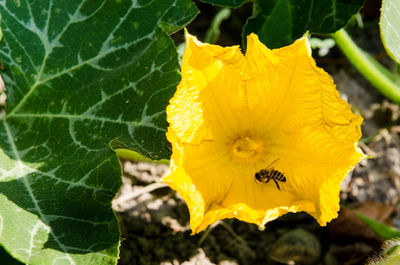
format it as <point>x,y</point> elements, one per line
<point>202,65</point>
<point>233,115</point>
<point>195,173</point>
<point>256,203</point>
<point>310,128</point>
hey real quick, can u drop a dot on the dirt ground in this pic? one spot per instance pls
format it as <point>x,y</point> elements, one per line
<point>154,219</point>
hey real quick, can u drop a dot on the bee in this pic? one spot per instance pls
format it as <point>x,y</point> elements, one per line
<point>265,175</point>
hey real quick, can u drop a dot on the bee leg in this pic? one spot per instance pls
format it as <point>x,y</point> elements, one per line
<point>277,185</point>
<point>267,181</point>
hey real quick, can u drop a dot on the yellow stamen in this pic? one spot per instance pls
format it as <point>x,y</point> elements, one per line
<point>246,149</point>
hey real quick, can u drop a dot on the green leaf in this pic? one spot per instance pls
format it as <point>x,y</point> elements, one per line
<point>280,22</point>
<point>226,3</point>
<point>390,28</point>
<point>384,231</point>
<point>80,75</point>
<point>6,259</point>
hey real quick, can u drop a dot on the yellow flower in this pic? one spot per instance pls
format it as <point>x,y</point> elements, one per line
<point>233,115</point>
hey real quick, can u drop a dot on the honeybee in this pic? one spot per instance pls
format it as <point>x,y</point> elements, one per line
<point>265,175</point>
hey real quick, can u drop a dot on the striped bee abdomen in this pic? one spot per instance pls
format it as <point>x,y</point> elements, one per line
<point>275,174</point>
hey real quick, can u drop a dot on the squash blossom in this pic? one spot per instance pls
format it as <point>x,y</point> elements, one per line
<point>234,115</point>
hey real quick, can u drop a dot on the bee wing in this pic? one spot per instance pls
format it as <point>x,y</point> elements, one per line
<point>273,162</point>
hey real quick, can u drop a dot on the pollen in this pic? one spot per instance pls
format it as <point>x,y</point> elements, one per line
<point>246,149</point>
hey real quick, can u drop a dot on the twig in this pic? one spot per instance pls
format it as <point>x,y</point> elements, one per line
<point>146,189</point>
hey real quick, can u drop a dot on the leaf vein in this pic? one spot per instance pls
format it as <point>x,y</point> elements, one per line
<point>30,192</point>
<point>79,117</point>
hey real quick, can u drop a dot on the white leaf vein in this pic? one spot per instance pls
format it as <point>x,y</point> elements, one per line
<point>31,194</point>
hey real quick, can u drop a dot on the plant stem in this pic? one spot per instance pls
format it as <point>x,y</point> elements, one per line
<point>374,72</point>
<point>236,236</point>
<point>134,156</point>
<point>149,188</point>
<point>213,32</point>
<point>206,233</point>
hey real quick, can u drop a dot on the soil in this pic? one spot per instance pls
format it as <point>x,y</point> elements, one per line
<point>154,220</point>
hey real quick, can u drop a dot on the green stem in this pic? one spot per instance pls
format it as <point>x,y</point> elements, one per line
<point>134,156</point>
<point>375,73</point>
<point>213,32</point>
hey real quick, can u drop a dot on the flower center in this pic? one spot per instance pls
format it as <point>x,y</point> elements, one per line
<point>246,149</point>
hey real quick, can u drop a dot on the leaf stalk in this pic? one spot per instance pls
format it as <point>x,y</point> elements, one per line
<point>374,72</point>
